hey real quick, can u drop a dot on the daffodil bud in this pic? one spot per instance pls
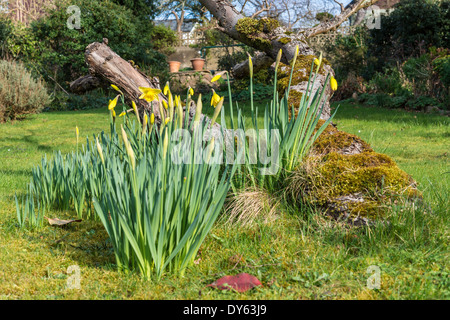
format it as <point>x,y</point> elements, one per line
<point>136,112</point>
<point>210,150</point>
<point>277,61</point>
<point>166,89</point>
<point>250,66</point>
<point>198,109</point>
<point>100,151</point>
<point>165,143</point>
<point>333,84</point>
<point>217,111</point>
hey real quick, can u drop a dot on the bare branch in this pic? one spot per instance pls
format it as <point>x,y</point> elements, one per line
<point>338,20</point>
<point>341,5</point>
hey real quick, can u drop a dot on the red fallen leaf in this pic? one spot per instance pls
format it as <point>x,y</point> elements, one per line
<point>241,282</point>
<point>59,222</point>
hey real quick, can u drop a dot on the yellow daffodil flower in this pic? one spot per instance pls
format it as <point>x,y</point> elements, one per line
<point>191,91</point>
<point>215,99</point>
<point>149,94</point>
<point>333,84</point>
<point>116,88</point>
<point>112,103</point>
<point>166,89</point>
<point>218,76</point>
<point>122,114</point>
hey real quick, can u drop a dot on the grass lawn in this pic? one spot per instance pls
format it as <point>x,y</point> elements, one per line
<point>301,255</point>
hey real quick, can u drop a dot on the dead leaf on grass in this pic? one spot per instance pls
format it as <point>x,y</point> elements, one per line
<point>241,282</point>
<point>59,222</point>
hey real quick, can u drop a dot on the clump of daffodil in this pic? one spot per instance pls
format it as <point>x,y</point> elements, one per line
<point>333,84</point>
<point>215,99</point>
<point>149,94</point>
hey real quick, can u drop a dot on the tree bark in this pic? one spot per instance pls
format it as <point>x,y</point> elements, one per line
<point>105,64</point>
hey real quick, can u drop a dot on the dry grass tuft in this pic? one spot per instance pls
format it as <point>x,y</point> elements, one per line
<point>248,206</point>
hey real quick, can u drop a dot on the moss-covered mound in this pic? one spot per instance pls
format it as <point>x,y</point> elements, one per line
<point>344,176</point>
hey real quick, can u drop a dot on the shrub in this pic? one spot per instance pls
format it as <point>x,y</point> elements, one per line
<point>409,30</point>
<point>62,49</point>
<point>163,39</point>
<point>20,94</point>
<point>18,43</point>
<point>63,102</point>
<point>421,102</point>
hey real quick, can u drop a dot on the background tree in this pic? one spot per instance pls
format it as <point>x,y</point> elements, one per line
<point>292,14</point>
<point>268,36</point>
<point>141,8</point>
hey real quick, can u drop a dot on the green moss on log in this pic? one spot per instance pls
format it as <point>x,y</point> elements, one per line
<point>258,31</point>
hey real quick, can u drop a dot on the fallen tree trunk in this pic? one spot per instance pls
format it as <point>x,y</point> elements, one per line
<point>106,65</point>
<point>86,83</point>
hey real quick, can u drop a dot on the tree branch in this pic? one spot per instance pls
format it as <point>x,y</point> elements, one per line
<point>341,5</point>
<point>323,27</point>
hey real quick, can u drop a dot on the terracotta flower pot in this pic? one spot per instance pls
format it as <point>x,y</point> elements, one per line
<point>198,63</point>
<point>174,66</point>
